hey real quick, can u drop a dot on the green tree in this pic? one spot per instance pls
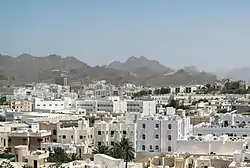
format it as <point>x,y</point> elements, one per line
<point>157,91</point>
<point>2,100</point>
<point>59,156</point>
<point>101,149</point>
<point>173,103</point>
<point>124,150</point>
<point>165,90</point>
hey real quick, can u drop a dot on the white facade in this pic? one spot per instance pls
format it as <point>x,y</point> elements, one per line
<point>53,104</point>
<point>110,133</point>
<point>101,105</point>
<point>75,135</point>
<point>144,107</point>
<point>230,124</point>
<point>117,106</point>
<point>204,145</point>
<point>157,135</point>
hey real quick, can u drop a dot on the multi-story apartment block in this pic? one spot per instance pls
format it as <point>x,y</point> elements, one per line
<point>108,133</point>
<point>28,137</point>
<point>159,134</point>
<point>55,104</point>
<point>101,105</point>
<point>114,104</point>
<point>76,132</point>
<point>144,107</point>
<point>21,105</point>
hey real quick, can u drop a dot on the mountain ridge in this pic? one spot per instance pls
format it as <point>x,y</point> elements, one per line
<point>137,62</point>
<point>27,68</point>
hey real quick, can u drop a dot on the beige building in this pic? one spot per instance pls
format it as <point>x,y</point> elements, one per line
<point>49,127</point>
<point>22,105</point>
<point>35,159</point>
<point>32,139</point>
<point>3,140</point>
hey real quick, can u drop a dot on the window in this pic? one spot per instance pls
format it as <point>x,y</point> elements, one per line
<point>156,136</point>
<point>44,104</point>
<point>169,137</point>
<point>156,125</point>
<point>143,126</point>
<point>50,104</point>
<point>71,136</point>
<point>54,132</point>
<point>99,143</point>
<point>124,132</point>
<point>169,148</point>
<point>143,136</point>
<point>64,136</point>
<point>39,140</point>
<point>81,137</point>
<point>156,147</point>
<point>112,143</point>
<point>112,132</point>
<point>169,126</point>
<point>143,147</point>
<point>150,147</point>
<point>99,133</point>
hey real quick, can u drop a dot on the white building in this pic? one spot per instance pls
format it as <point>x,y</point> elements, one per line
<point>114,104</point>
<point>230,124</point>
<point>203,145</point>
<point>111,105</point>
<point>55,104</point>
<point>108,133</point>
<point>144,107</point>
<point>159,134</point>
<point>81,134</point>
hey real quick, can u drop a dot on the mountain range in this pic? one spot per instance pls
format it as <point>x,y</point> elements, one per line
<point>138,70</point>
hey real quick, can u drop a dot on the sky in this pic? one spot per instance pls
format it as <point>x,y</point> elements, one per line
<point>211,35</point>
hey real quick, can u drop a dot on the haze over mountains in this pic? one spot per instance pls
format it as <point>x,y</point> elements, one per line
<point>138,70</point>
<point>242,73</point>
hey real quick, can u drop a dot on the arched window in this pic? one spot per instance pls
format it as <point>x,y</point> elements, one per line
<point>156,147</point>
<point>54,132</point>
<point>143,126</point>
<point>143,136</point>
<point>143,147</point>
<point>150,147</point>
<point>169,126</point>
<point>169,137</point>
<point>169,149</point>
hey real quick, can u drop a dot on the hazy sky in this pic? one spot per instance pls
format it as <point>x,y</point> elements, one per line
<point>211,34</point>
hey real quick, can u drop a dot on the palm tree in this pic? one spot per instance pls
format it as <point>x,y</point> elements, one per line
<point>59,156</point>
<point>74,157</point>
<point>124,149</point>
<point>101,149</point>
